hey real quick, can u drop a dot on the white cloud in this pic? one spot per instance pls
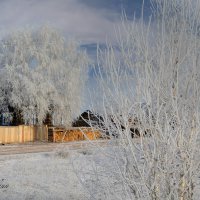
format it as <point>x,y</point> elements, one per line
<point>77,20</point>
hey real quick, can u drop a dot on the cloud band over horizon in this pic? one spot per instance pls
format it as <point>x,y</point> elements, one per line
<point>88,21</point>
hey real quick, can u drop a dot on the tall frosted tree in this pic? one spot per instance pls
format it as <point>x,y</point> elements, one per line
<point>41,73</point>
<point>150,89</point>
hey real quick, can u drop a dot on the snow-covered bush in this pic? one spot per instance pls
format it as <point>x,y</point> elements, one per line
<point>41,74</point>
<point>152,77</point>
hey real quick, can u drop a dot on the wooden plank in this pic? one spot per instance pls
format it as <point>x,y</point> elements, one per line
<point>22,133</point>
<point>75,135</point>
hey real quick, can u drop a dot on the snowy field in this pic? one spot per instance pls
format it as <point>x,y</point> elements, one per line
<point>40,176</point>
<point>65,173</point>
<point>54,175</point>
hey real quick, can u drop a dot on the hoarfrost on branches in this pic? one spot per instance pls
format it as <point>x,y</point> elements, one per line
<point>150,84</point>
<point>42,74</point>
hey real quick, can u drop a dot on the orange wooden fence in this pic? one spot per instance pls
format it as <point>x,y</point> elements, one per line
<point>23,133</point>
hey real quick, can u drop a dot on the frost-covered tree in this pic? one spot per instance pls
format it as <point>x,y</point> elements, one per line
<point>150,83</point>
<point>41,73</point>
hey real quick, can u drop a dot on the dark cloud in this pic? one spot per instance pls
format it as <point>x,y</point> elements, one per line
<point>130,7</point>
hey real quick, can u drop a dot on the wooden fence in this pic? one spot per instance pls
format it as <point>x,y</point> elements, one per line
<point>72,134</point>
<point>21,134</point>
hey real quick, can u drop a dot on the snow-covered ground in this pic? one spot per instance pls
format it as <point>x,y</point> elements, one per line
<point>65,173</point>
<point>89,171</point>
<point>40,176</point>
